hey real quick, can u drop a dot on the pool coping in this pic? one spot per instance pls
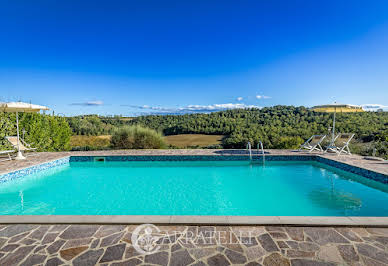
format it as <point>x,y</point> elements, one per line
<point>196,219</point>
<point>189,219</point>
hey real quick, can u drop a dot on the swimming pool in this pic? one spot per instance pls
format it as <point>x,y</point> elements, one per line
<point>193,187</point>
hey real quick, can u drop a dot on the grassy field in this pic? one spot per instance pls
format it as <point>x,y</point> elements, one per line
<point>91,141</point>
<point>186,140</point>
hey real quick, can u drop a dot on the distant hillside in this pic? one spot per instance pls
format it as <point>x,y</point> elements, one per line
<point>276,127</point>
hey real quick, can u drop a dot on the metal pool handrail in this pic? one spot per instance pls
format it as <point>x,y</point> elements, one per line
<point>249,148</point>
<point>260,145</point>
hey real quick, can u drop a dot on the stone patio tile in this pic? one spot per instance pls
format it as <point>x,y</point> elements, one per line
<point>54,247</point>
<point>70,253</point>
<point>90,257</point>
<point>2,242</point>
<point>16,256</point>
<point>308,246</point>
<point>39,248</point>
<point>282,244</point>
<point>181,258</point>
<point>13,230</point>
<point>199,263</point>
<point>58,227</point>
<point>254,253</point>
<point>361,232</point>
<point>17,238</point>
<point>34,259</point>
<point>249,241</point>
<point>131,252</point>
<point>372,252</point>
<point>323,236</point>
<point>375,231</point>
<point>274,228</point>
<point>348,253</point>
<point>107,230</point>
<point>293,244</point>
<point>382,240</point>
<point>9,247</point>
<point>371,262</point>
<point>111,239</point>
<point>113,253</point>
<point>27,241</point>
<point>159,258</point>
<point>248,231</point>
<point>176,247</point>
<point>217,260</point>
<point>77,242</point>
<point>295,233</point>
<point>330,254</point>
<point>267,243</point>
<point>275,259</point>
<point>199,253</point>
<point>253,263</point>
<point>349,234</point>
<point>49,238</point>
<point>54,262</point>
<point>300,253</point>
<point>303,262</point>
<point>79,231</point>
<point>95,243</point>
<point>278,235</point>
<point>235,257</point>
<point>131,262</point>
<point>39,233</point>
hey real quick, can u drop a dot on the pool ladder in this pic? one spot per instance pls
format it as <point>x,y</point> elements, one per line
<point>249,149</point>
<point>261,147</point>
<point>260,150</point>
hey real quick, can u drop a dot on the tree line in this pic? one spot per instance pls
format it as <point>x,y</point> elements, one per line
<point>277,127</point>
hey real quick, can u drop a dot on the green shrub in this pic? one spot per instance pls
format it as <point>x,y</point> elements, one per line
<point>137,137</point>
<point>288,143</point>
<point>44,132</point>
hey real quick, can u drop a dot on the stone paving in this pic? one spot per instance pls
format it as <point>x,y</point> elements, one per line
<point>23,244</point>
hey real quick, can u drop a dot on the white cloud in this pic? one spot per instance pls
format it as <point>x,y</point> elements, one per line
<point>262,97</point>
<point>374,107</point>
<point>195,108</point>
<point>239,98</point>
<point>91,103</point>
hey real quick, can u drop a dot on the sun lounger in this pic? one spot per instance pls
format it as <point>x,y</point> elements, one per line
<point>6,155</point>
<point>23,146</point>
<point>341,143</point>
<point>313,143</point>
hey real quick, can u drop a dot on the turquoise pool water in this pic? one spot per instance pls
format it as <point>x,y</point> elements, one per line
<point>194,188</point>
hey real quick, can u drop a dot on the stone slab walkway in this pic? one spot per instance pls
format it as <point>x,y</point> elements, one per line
<point>23,244</point>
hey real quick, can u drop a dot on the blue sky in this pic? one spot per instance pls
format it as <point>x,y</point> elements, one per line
<point>134,57</point>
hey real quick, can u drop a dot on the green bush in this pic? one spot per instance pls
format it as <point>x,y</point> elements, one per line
<point>288,143</point>
<point>137,137</point>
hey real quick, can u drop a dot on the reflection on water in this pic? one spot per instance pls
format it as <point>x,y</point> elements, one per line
<point>335,200</point>
<point>21,200</point>
<point>331,198</point>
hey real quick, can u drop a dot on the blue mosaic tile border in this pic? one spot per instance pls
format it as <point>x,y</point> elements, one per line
<point>190,158</point>
<point>354,169</point>
<point>33,169</point>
